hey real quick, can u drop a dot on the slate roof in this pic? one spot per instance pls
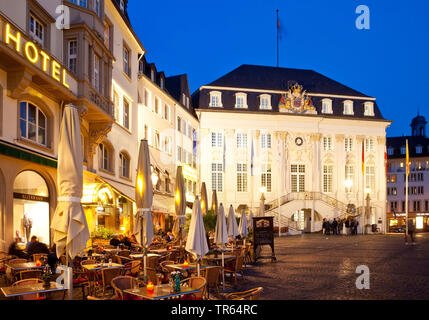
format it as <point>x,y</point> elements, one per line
<point>413,141</point>
<point>279,79</point>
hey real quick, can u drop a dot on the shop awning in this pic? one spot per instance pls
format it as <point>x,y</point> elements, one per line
<point>121,188</point>
<point>163,204</point>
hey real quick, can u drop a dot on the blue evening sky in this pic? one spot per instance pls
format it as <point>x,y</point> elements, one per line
<point>207,39</point>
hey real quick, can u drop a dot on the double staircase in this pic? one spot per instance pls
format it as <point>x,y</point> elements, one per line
<point>294,227</point>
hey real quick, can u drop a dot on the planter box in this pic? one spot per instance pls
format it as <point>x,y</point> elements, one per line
<point>99,242</point>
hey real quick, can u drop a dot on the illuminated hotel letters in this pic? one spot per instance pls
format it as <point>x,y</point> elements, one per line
<point>32,54</point>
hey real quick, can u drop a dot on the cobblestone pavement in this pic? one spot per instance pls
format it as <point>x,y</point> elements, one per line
<point>324,267</point>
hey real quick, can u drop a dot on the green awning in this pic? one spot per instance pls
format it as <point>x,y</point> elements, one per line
<point>20,153</point>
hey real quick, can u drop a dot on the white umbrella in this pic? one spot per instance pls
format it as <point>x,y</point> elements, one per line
<point>243,225</point>
<point>196,244</point>
<point>179,205</point>
<point>144,198</point>
<point>204,202</point>
<point>214,202</point>
<point>221,236</point>
<point>232,224</point>
<point>69,224</point>
<point>251,221</point>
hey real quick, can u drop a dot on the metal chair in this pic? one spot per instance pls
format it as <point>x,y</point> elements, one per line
<point>252,294</point>
<point>26,282</point>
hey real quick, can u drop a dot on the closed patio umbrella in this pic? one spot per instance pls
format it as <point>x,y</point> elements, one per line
<point>69,224</point>
<point>196,243</point>
<point>251,221</point>
<point>204,198</point>
<point>232,224</point>
<point>179,205</point>
<point>214,202</point>
<point>144,197</point>
<point>243,225</point>
<point>221,236</point>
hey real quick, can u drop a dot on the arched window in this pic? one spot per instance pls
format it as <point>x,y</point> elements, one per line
<point>124,165</point>
<point>348,107</point>
<point>33,123</point>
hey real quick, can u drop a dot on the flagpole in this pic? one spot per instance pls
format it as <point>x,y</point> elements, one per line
<point>278,26</point>
<point>407,169</point>
<point>364,187</point>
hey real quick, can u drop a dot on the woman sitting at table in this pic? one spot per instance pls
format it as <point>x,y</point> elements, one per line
<point>15,251</point>
<point>115,241</point>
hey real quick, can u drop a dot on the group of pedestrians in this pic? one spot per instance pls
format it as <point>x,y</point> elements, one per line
<point>336,227</point>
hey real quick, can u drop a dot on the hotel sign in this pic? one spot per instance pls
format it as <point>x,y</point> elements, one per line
<point>35,55</point>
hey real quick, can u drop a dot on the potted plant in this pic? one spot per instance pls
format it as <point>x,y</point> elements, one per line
<point>47,277</point>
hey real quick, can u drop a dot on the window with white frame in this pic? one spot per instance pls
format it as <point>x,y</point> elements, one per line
<point>82,3</point>
<point>348,144</point>
<point>241,177</point>
<point>266,176</point>
<point>217,139</point>
<point>419,149</point>
<point>167,112</point>
<point>265,102</point>
<point>327,143</point>
<point>241,101</point>
<point>37,30</point>
<point>33,123</point>
<point>156,110</point>
<point>297,177</point>
<point>156,139</point>
<point>124,165</point>
<point>104,157</point>
<point>369,109</point>
<point>349,178</point>
<point>348,107</point>
<point>217,177</point>
<point>241,140</point>
<point>97,7</point>
<point>179,154</point>
<point>179,124</point>
<point>369,145</point>
<point>167,145</point>
<point>96,73</point>
<point>266,141</point>
<point>72,56</point>
<point>106,34</point>
<point>403,150</point>
<point>370,177</point>
<point>326,106</point>
<point>327,178</point>
<point>390,151</point>
<point>126,114</point>
<point>127,65</point>
<point>215,99</point>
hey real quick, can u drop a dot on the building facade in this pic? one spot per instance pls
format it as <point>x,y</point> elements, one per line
<point>418,188</point>
<point>295,137</point>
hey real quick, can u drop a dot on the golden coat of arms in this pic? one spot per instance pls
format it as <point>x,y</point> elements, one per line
<point>296,101</point>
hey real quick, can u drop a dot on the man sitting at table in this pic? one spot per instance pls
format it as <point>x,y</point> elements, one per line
<point>115,241</point>
<point>15,251</point>
<point>36,247</point>
<point>125,241</point>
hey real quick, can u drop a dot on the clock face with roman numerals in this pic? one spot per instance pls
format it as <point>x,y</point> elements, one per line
<point>299,141</point>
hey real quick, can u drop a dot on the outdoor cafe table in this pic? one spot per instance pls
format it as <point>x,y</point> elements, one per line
<point>111,250</point>
<point>141,255</point>
<point>161,251</point>
<point>101,266</point>
<point>16,291</point>
<point>25,266</point>
<point>163,291</point>
<point>217,258</point>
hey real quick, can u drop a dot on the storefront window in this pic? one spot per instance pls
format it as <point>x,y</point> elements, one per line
<point>31,206</point>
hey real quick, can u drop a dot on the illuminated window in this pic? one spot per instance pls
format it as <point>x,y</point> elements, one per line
<point>349,178</point>
<point>266,177</point>
<point>33,123</point>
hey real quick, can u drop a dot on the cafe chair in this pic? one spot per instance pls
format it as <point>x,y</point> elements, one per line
<point>152,262</point>
<point>10,274</point>
<point>196,283</point>
<point>107,275</point>
<point>29,274</point>
<point>122,283</point>
<point>212,275</point>
<point>132,268</point>
<point>124,253</point>
<point>252,294</point>
<point>236,268</point>
<point>40,256</point>
<point>151,274</point>
<point>80,280</point>
<point>28,282</point>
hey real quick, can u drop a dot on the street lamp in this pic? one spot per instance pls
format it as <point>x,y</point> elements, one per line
<point>368,208</point>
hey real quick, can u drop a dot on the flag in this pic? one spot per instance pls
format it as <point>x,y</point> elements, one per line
<point>408,160</point>
<point>385,160</point>
<point>279,30</point>
<point>363,157</point>
<point>252,155</point>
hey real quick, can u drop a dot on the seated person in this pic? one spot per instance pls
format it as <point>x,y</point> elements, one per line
<point>126,242</point>
<point>36,247</point>
<point>115,241</point>
<point>15,251</point>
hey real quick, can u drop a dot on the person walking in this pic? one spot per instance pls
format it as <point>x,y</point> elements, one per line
<point>352,227</point>
<point>324,226</point>
<point>340,227</point>
<point>347,224</point>
<point>328,228</point>
<point>335,227</point>
<point>411,231</point>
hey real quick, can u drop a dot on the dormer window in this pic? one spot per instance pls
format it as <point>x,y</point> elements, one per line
<point>215,99</point>
<point>265,102</point>
<point>97,7</point>
<point>326,106</point>
<point>241,101</point>
<point>390,151</point>
<point>369,109</point>
<point>161,83</point>
<point>348,107</point>
<point>403,150</point>
<point>419,149</point>
<point>121,5</point>
<point>152,75</point>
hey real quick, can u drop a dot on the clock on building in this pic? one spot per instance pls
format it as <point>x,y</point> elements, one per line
<point>299,141</point>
